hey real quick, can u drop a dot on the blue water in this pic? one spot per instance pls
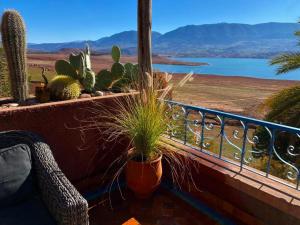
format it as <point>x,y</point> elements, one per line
<point>246,67</point>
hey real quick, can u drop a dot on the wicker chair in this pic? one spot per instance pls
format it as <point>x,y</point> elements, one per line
<point>65,205</point>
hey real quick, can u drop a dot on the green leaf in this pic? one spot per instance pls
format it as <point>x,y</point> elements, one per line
<point>103,80</point>
<point>287,62</point>
<point>63,67</point>
<point>75,60</point>
<point>121,85</point>
<point>117,71</point>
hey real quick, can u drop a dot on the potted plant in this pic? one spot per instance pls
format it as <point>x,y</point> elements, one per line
<point>141,119</point>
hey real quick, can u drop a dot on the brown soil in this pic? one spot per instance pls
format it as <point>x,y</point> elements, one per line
<point>241,95</point>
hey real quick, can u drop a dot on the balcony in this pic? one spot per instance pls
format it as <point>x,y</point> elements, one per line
<point>241,171</point>
<point>236,179</point>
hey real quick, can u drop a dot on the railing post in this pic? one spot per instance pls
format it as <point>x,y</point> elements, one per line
<point>222,135</point>
<point>202,130</point>
<point>271,148</point>
<point>298,182</point>
<point>186,113</point>
<point>244,146</point>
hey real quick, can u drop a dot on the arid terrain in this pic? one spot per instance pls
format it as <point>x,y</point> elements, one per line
<point>239,95</point>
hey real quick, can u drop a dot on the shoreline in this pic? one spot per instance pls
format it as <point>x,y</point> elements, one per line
<point>206,75</point>
<point>100,61</point>
<point>163,60</point>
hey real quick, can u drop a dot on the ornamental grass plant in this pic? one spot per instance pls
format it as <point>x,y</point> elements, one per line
<point>142,119</point>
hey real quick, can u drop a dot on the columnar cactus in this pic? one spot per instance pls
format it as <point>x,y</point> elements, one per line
<point>14,43</point>
<point>4,76</point>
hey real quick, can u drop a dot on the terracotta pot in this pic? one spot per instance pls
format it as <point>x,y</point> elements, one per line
<point>143,178</point>
<point>42,94</point>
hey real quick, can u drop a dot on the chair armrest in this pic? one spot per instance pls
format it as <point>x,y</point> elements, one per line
<point>63,201</point>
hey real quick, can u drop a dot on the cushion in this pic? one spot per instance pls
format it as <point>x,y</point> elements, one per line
<point>30,212</point>
<point>16,180</point>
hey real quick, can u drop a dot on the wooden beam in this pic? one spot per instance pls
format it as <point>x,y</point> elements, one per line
<point>144,41</point>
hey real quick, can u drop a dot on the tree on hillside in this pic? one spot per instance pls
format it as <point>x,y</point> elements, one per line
<point>4,80</point>
<point>289,61</point>
<point>284,106</point>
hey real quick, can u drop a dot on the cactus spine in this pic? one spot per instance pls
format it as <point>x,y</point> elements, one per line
<point>14,43</point>
<point>64,88</point>
<point>4,76</point>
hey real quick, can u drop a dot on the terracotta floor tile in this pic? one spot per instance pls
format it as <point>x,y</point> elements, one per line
<point>162,208</point>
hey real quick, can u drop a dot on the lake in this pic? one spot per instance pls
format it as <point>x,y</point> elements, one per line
<point>246,67</point>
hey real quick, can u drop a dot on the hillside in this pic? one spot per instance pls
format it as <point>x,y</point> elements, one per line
<point>208,40</point>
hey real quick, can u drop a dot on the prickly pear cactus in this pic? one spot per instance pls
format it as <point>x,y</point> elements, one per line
<point>103,80</point>
<point>121,85</point>
<point>120,77</point>
<point>75,61</point>
<point>116,53</point>
<point>117,71</point>
<point>131,73</point>
<point>64,88</point>
<point>62,67</point>
<point>78,68</point>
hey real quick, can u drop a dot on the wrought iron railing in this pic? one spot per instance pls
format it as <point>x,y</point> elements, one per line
<point>269,149</point>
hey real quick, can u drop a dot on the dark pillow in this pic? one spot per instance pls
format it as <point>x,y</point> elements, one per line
<point>16,180</point>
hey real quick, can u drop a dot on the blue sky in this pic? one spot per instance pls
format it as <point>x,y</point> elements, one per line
<point>68,20</point>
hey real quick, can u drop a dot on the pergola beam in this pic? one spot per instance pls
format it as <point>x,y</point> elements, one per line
<point>144,40</point>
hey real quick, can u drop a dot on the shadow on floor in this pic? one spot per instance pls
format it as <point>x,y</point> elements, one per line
<point>163,208</point>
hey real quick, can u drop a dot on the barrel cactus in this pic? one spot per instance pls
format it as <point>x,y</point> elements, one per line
<point>14,43</point>
<point>78,67</point>
<point>64,87</point>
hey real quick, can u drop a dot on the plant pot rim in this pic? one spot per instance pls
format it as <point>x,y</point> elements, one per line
<point>159,157</point>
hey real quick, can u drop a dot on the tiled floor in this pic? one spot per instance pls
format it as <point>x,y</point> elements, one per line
<point>162,208</point>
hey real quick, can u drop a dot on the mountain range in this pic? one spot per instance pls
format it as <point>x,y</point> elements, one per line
<point>208,40</point>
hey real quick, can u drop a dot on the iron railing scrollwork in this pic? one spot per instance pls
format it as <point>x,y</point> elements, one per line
<point>269,149</point>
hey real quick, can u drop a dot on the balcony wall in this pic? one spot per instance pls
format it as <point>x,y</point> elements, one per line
<point>241,195</point>
<point>57,122</point>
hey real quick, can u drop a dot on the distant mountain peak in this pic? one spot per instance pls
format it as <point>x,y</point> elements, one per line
<point>219,39</point>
